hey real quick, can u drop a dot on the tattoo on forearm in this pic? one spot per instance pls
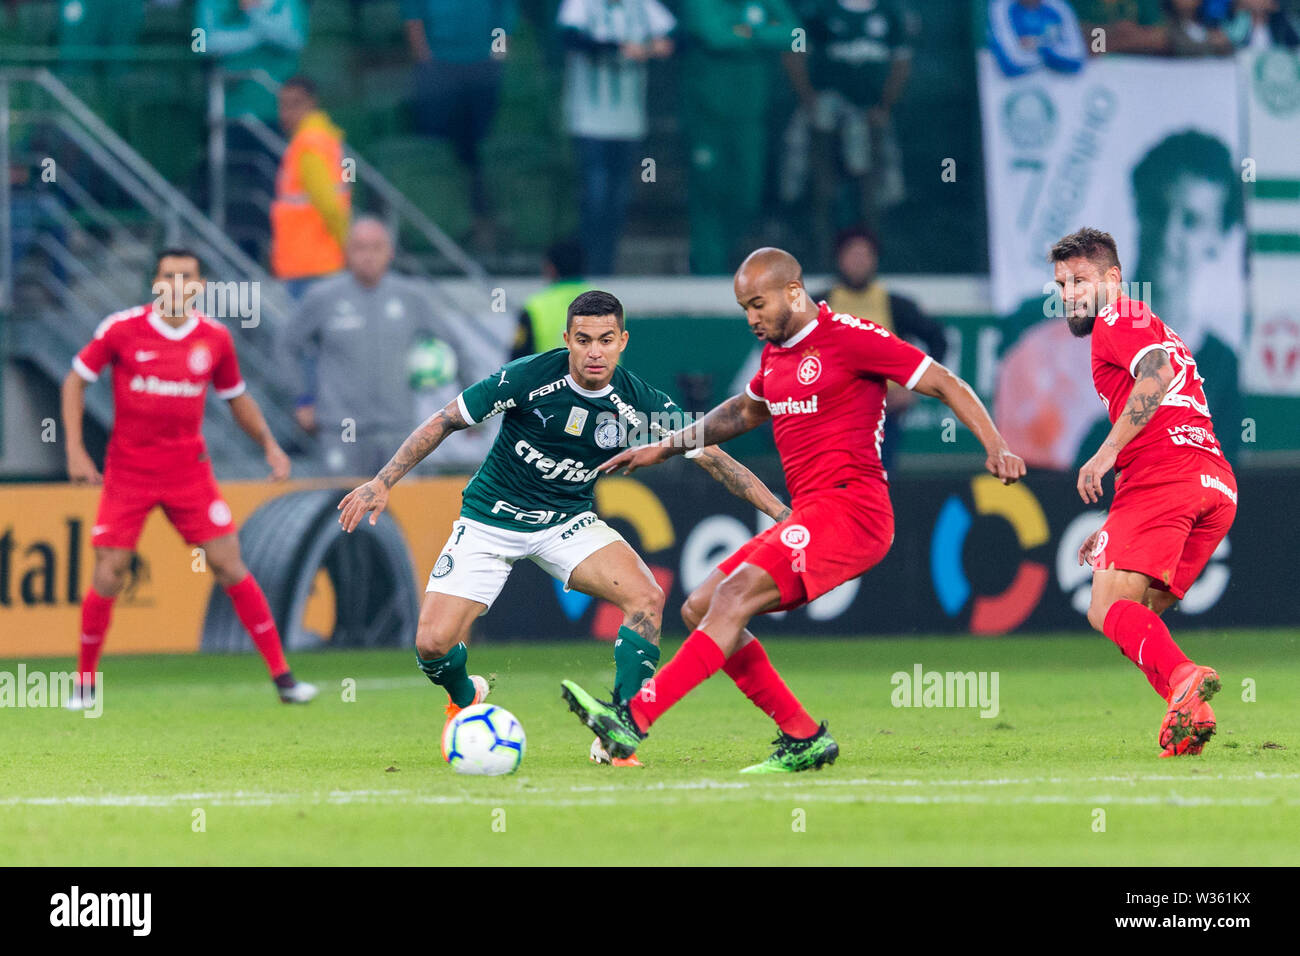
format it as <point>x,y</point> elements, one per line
<point>1145,401</point>
<point>726,421</point>
<point>737,479</point>
<point>422,441</point>
<point>783,514</point>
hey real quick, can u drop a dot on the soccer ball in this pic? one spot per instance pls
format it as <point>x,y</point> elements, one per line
<point>483,739</point>
<point>430,364</point>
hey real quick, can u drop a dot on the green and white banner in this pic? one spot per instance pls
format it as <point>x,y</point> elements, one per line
<point>1270,90</point>
<point>1147,149</point>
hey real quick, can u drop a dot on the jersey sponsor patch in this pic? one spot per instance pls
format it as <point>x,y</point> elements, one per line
<point>444,565</point>
<point>577,418</point>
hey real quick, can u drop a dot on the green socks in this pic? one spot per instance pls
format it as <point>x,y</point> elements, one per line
<point>635,660</point>
<point>448,672</point>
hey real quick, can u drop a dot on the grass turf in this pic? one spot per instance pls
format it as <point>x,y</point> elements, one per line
<point>342,782</point>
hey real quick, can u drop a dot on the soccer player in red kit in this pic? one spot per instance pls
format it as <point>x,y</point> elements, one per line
<point>164,355</point>
<point>822,383</point>
<point>1175,493</point>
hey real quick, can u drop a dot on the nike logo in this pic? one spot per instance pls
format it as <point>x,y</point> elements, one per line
<point>1186,689</point>
<point>544,418</point>
<point>1140,646</point>
<point>145,356</point>
<point>767,371</point>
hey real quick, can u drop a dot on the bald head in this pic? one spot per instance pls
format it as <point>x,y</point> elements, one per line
<point>768,268</point>
<point>370,250</point>
<point>769,287</point>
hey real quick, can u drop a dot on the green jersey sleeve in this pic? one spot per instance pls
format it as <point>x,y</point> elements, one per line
<point>664,416</point>
<point>495,394</point>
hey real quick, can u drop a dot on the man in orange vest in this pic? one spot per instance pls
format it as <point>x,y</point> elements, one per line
<point>313,201</point>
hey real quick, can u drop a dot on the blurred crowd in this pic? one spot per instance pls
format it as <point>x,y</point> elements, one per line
<point>780,104</point>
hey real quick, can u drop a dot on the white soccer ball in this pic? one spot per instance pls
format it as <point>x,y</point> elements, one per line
<point>483,739</point>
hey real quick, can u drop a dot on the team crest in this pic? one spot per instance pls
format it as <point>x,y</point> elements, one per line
<point>1099,548</point>
<point>219,513</point>
<point>444,566</point>
<point>609,433</point>
<point>810,369</point>
<point>796,536</point>
<point>200,359</point>
<point>577,419</point>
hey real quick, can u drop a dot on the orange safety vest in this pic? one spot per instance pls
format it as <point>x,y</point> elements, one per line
<point>301,245</point>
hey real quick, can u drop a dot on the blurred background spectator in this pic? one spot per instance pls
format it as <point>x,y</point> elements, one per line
<point>856,67</point>
<point>1192,32</point>
<point>728,68</point>
<point>1028,35</point>
<point>859,291</point>
<point>1128,26</point>
<point>545,315</point>
<point>246,35</point>
<point>608,44</point>
<point>309,217</point>
<point>459,47</point>
<point>369,319</point>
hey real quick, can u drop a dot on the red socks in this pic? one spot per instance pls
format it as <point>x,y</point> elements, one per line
<point>1145,640</point>
<point>95,614</point>
<point>754,674</point>
<point>255,614</point>
<point>697,661</point>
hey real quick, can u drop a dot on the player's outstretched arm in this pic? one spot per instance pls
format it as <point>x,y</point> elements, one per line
<point>735,416</point>
<point>1151,381</point>
<point>81,467</point>
<point>938,382</point>
<point>372,497</point>
<point>741,482</point>
<point>249,418</point>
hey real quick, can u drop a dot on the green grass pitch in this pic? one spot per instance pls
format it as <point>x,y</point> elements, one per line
<point>362,782</point>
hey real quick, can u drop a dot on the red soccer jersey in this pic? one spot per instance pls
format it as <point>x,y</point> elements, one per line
<point>825,388</point>
<point>1123,334</point>
<point>160,379</point>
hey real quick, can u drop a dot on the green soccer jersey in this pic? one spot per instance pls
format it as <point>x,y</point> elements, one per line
<point>542,467</point>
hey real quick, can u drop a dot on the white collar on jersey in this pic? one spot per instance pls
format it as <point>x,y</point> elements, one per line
<point>799,336</point>
<point>167,332</point>
<point>598,393</point>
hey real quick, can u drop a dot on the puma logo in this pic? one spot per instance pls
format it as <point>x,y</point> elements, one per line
<point>544,418</point>
<point>502,380</point>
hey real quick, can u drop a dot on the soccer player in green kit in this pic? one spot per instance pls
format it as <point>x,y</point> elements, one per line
<point>566,411</point>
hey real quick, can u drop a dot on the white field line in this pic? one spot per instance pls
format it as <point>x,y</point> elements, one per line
<point>822,790</point>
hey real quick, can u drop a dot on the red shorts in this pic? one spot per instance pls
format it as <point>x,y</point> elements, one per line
<point>1166,524</point>
<point>190,499</point>
<point>830,537</point>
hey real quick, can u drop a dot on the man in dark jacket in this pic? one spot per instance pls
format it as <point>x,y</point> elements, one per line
<point>858,291</point>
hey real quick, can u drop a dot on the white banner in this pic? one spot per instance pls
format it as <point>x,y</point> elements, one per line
<point>1146,149</point>
<point>1270,91</point>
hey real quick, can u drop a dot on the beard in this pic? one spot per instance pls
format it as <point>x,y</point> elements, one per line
<point>1081,325</point>
<point>781,332</point>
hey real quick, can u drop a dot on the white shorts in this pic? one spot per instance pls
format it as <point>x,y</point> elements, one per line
<point>477,558</point>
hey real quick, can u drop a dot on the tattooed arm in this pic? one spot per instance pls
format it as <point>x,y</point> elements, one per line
<point>372,497</point>
<point>735,416</point>
<point>1152,377</point>
<point>741,482</point>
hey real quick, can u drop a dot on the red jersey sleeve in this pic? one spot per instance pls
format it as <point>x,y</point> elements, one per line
<point>226,378</point>
<point>98,352</point>
<point>1126,332</point>
<point>876,353</point>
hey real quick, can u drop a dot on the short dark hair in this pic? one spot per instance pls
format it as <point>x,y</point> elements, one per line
<point>565,256</point>
<point>300,82</point>
<point>852,233</point>
<point>596,302</point>
<point>1092,244</point>
<point>177,252</point>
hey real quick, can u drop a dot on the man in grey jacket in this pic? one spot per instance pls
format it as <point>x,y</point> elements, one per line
<point>362,342</point>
